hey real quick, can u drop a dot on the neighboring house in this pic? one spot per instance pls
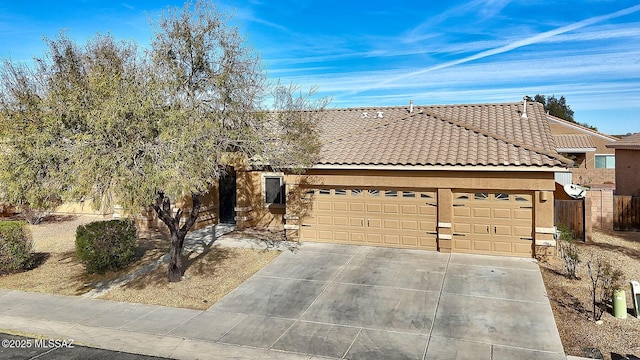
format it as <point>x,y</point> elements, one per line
<point>627,152</point>
<point>594,161</point>
<point>464,178</point>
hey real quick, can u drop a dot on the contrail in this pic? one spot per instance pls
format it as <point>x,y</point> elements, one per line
<point>516,44</point>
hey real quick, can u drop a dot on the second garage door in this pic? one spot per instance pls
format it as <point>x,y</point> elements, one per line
<point>496,223</point>
<point>382,217</point>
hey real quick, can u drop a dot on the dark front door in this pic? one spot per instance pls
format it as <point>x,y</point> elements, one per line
<point>227,190</point>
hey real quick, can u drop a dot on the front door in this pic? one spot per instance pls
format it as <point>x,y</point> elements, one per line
<point>227,188</point>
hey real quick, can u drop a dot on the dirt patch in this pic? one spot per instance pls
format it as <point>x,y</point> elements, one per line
<point>572,305</point>
<point>208,278</point>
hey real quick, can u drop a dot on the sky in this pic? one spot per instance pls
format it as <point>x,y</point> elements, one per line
<point>386,53</point>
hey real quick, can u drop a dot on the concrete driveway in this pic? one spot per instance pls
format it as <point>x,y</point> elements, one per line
<point>359,302</point>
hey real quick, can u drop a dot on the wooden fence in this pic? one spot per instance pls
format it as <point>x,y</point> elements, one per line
<point>626,213</point>
<point>570,213</point>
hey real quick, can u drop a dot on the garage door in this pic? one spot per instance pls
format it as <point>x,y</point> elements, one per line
<point>495,223</point>
<point>381,217</point>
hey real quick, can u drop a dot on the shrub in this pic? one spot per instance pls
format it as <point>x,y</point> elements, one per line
<point>604,280</point>
<point>16,246</point>
<point>568,252</point>
<point>106,245</point>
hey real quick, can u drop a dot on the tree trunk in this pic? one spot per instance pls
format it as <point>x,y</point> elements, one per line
<point>177,233</point>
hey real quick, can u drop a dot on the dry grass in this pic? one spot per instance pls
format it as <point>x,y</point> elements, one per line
<point>208,277</point>
<point>571,299</point>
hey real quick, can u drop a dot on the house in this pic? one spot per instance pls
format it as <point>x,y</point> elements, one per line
<point>594,161</point>
<point>627,170</point>
<point>473,178</point>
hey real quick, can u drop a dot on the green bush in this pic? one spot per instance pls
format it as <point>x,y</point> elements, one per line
<point>16,246</point>
<point>106,245</point>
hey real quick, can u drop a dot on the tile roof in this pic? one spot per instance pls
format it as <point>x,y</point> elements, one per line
<point>583,128</point>
<point>456,135</point>
<point>627,142</point>
<point>573,141</point>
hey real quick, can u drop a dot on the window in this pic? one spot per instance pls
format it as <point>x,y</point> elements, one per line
<point>356,192</point>
<point>408,194</point>
<point>274,190</point>
<point>324,192</point>
<point>605,161</point>
<point>340,192</point>
<point>501,196</point>
<point>390,193</point>
<point>480,196</point>
<point>374,193</point>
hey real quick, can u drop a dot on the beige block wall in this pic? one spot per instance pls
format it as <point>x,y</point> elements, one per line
<point>592,176</point>
<point>627,172</point>
<point>601,208</point>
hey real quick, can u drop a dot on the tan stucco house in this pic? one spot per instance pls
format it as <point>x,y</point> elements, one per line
<point>627,151</point>
<point>473,178</point>
<point>594,162</point>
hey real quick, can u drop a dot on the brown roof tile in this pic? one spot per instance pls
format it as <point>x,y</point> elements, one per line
<point>573,141</point>
<point>627,142</point>
<point>458,135</point>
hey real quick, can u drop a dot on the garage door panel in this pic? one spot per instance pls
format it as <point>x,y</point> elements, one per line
<point>522,214</point>
<point>374,208</point>
<point>482,245</point>
<point>409,209</point>
<point>325,235</point>
<point>462,212</point>
<point>410,241</point>
<point>391,209</point>
<point>392,239</point>
<point>494,223</point>
<point>391,224</point>
<point>481,212</point>
<point>340,236</point>
<point>461,244</point>
<point>522,231</point>
<point>502,230</point>
<point>427,210</point>
<point>410,225</point>
<point>324,205</point>
<point>502,213</point>
<point>397,218</point>
<point>340,221</point>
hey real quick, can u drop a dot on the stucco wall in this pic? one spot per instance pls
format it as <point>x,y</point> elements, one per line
<point>627,172</point>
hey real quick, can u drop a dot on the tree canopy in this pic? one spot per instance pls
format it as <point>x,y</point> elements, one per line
<point>112,122</point>
<point>559,108</point>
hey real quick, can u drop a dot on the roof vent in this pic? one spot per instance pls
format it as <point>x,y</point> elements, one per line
<point>524,106</point>
<point>365,115</point>
<point>380,114</point>
<point>410,106</point>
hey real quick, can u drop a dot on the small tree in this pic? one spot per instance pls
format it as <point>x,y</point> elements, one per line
<point>569,252</point>
<point>604,280</point>
<point>153,128</point>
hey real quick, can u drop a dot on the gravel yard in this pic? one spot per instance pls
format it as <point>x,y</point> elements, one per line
<point>571,299</point>
<point>209,276</point>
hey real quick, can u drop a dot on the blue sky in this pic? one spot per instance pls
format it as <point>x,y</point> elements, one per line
<point>379,53</point>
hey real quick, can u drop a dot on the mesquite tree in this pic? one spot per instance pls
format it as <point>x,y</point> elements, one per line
<point>149,128</point>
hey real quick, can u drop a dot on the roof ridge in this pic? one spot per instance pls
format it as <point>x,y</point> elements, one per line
<point>582,127</point>
<point>503,138</point>
<point>367,129</point>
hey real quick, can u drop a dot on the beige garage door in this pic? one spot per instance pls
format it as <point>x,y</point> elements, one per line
<point>381,217</point>
<point>496,223</point>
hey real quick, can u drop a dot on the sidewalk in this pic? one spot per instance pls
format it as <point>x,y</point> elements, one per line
<point>134,328</point>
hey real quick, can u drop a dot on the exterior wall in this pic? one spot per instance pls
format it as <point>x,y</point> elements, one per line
<point>627,172</point>
<point>251,200</point>
<point>586,173</point>
<point>540,184</point>
<point>80,208</point>
<point>601,208</point>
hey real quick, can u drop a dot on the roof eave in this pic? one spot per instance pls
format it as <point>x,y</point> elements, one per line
<point>483,168</point>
